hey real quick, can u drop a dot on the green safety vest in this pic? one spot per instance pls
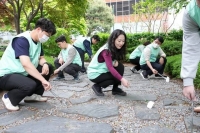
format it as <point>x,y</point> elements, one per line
<point>9,64</point>
<point>95,68</point>
<point>137,52</point>
<point>77,59</point>
<point>79,42</point>
<point>153,56</point>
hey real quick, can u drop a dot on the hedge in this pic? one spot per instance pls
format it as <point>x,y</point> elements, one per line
<point>173,68</point>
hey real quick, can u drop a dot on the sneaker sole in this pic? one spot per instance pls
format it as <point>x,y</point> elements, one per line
<point>33,101</point>
<point>120,94</point>
<point>97,93</point>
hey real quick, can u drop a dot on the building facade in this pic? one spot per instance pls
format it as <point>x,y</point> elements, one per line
<point>126,19</point>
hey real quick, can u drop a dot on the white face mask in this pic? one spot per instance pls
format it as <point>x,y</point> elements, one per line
<point>43,39</point>
<point>155,45</point>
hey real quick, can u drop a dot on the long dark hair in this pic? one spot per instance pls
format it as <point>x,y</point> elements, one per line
<point>118,54</point>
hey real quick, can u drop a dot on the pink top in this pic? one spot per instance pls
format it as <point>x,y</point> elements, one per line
<point>105,56</point>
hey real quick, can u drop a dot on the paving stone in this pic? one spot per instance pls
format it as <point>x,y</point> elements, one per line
<point>60,93</point>
<point>145,113</point>
<point>167,102</point>
<point>38,105</point>
<point>15,116</point>
<point>77,89</point>
<point>3,111</point>
<point>156,129</point>
<point>82,99</point>
<point>61,125</point>
<point>93,110</point>
<point>81,84</point>
<point>188,123</point>
<point>137,97</point>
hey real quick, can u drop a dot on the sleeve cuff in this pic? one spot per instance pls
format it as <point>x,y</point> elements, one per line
<point>188,82</point>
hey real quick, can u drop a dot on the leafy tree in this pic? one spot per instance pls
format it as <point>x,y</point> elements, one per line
<point>149,11</point>
<point>62,12</point>
<point>176,4</point>
<point>99,17</point>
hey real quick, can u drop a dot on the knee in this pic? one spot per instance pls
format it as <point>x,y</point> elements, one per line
<point>29,89</point>
<point>56,61</point>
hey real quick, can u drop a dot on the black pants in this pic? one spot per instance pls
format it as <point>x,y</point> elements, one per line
<point>106,79</point>
<point>20,86</point>
<point>71,69</point>
<point>82,55</point>
<point>159,67</point>
<point>136,62</point>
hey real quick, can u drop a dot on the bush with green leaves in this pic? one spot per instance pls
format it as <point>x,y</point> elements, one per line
<point>172,47</point>
<point>173,68</point>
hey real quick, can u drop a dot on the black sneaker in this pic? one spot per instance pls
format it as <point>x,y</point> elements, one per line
<point>118,91</point>
<point>97,89</point>
<point>59,78</point>
<point>159,76</point>
<point>132,69</point>
<point>144,74</point>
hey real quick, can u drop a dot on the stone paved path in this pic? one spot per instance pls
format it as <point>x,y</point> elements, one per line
<point>78,110</point>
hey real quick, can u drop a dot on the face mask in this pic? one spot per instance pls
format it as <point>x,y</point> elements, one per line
<point>155,45</point>
<point>43,39</point>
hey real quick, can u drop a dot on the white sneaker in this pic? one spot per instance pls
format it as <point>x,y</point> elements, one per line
<point>35,98</point>
<point>8,104</point>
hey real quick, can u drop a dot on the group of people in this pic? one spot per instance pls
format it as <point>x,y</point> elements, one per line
<point>25,74</point>
<point>150,58</point>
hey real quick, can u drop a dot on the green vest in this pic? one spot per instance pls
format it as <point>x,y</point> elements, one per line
<point>95,68</point>
<point>79,42</point>
<point>153,55</point>
<point>11,65</point>
<point>194,11</point>
<point>137,52</point>
<point>77,59</point>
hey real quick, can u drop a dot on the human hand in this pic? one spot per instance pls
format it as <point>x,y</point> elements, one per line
<point>189,92</point>
<point>61,61</point>
<point>56,71</point>
<point>46,85</point>
<point>115,64</point>
<point>125,82</point>
<point>45,69</point>
<point>154,71</point>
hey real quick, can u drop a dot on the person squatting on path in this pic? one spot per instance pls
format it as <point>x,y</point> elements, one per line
<point>68,60</point>
<point>153,59</point>
<point>105,68</point>
<point>83,45</point>
<point>24,72</point>
<point>191,48</point>
<point>135,56</point>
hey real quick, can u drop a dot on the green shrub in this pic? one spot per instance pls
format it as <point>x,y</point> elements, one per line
<point>50,60</point>
<point>173,68</point>
<point>172,47</point>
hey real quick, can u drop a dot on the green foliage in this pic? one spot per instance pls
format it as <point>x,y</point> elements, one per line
<point>50,47</point>
<point>173,66</point>
<point>172,47</point>
<point>1,53</point>
<point>50,60</point>
<point>99,17</point>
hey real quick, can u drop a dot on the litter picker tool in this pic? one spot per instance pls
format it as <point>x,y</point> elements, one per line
<point>166,78</point>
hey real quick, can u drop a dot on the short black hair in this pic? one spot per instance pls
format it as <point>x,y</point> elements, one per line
<point>46,25</point>
<point>60,39</point>
<point>146,43</point>
<point>96,37</point>
<point>160,39</point>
